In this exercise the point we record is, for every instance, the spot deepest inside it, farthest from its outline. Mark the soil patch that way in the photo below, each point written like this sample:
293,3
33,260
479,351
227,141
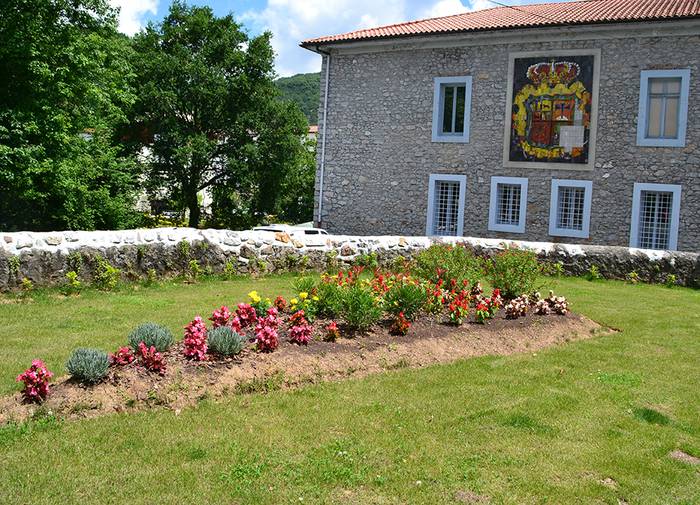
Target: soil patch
428,342
684,457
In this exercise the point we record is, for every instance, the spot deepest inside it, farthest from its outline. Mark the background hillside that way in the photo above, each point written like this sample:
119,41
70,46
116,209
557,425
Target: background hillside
304,90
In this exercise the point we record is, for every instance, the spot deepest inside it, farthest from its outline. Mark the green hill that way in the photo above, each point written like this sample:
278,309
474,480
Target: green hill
304,90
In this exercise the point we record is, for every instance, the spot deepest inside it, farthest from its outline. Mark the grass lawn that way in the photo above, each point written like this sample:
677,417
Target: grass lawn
549,427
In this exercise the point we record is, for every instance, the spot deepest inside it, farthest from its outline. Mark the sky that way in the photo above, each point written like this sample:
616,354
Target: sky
292,21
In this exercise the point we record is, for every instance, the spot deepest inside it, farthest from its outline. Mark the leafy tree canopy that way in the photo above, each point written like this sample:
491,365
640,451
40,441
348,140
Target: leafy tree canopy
210,116
64,79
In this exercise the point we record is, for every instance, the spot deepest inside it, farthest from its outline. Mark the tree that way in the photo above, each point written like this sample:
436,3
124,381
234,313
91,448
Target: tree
303,89
64,87
208,103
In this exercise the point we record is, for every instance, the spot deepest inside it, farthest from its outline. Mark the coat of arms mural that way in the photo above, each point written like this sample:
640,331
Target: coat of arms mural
551,114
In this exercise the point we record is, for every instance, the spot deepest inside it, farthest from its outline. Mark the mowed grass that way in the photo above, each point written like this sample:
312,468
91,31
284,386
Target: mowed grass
589,422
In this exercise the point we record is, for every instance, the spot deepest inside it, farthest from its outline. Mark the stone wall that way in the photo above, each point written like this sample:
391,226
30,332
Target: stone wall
379,153
45,258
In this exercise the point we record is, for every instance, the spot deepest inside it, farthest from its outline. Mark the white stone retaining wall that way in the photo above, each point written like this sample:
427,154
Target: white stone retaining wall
45,257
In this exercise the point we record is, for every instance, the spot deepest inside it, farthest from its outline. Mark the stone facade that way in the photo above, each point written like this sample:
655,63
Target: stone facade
45,258
379,154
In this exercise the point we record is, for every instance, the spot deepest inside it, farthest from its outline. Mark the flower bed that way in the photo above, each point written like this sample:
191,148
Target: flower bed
346,322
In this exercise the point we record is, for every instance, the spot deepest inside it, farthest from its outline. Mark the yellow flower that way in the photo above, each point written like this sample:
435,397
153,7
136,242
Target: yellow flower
315,298
254,296
293,301
303,295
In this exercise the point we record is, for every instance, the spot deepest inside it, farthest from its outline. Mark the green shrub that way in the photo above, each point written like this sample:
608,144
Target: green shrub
106,276
369,260
593,274
194,270
88,365
671,281
73,284
448,262
407,298
514,272
304,284
224,341
360,308
330,300
151,334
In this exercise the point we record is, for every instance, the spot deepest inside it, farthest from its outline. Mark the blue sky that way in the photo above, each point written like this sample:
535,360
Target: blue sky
291,21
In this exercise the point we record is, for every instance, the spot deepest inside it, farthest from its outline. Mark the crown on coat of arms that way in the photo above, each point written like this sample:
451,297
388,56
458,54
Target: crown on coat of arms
560,72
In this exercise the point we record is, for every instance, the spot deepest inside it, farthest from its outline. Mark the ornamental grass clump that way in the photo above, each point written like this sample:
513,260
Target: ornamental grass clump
224,341
195,341
88,366
153,335
36,382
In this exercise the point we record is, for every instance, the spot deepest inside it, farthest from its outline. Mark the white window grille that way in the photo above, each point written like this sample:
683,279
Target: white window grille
663,108
446,197
570,208
655,216
451,109
508,204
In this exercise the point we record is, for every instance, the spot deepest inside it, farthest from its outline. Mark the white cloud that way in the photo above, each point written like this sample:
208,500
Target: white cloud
131,13
445,8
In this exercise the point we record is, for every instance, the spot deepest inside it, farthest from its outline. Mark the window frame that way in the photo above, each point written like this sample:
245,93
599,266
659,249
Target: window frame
493,204
554,230
438,83
645,76
432,183
675,189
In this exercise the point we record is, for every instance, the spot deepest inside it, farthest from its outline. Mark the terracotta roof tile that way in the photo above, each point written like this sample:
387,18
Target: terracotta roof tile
526,16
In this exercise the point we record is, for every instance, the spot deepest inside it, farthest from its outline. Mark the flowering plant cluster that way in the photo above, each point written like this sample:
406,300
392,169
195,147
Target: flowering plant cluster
332,332
36,382
306,303
195,342
400,325
246,315
151,359
458,309
482,312
259,304
300,330
266,335
280,304
558,304
434,297
517,307
122,357
221,317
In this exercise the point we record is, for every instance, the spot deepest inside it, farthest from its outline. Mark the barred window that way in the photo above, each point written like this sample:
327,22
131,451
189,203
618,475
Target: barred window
655,219
446,205
508,204
570,208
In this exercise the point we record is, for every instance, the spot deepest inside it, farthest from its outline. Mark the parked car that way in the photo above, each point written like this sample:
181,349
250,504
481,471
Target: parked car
292,231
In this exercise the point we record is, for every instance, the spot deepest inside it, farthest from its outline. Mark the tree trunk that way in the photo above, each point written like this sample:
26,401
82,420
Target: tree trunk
195,211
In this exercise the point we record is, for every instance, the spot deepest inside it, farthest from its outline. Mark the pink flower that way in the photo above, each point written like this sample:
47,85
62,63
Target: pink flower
221,317
246,314
195,342
300,334
36,381
122,357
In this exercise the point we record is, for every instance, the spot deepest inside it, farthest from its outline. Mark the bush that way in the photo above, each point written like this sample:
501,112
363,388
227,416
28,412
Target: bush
151,334
447,262
195,341
406,298
88,365
330,299
514,272
304,284
360,308
106,276
225,342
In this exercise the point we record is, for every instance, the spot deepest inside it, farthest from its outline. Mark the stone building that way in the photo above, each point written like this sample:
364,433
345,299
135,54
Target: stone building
568,122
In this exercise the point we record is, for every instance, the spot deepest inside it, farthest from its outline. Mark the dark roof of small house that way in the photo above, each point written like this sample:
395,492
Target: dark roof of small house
581,12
